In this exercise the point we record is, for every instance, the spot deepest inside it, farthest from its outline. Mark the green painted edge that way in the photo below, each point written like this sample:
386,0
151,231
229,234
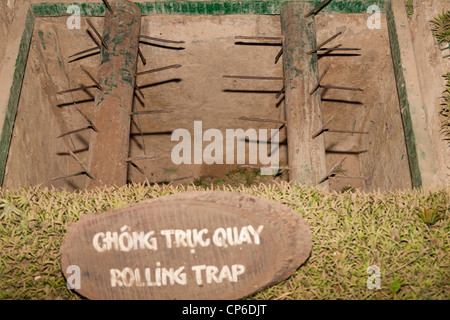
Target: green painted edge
207,7
13,102
405,111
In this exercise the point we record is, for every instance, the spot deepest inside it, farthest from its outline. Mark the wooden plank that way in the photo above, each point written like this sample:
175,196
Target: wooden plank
108,149
195,245
306,156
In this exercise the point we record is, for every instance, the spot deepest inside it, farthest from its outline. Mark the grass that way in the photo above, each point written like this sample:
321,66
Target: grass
441,27
409,8
239,176
445,109
351,231
441,30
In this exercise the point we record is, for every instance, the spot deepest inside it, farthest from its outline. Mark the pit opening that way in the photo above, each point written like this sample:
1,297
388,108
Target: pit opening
198,92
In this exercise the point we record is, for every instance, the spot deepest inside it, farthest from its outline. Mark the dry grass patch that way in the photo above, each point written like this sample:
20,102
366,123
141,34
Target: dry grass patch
351,231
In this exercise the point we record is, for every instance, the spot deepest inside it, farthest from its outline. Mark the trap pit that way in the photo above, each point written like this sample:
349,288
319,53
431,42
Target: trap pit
198,92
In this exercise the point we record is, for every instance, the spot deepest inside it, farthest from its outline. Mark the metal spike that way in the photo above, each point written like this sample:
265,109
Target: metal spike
84,51
76,89
278,56
84,56
74,131
322,129
331,172
258,38
97,33
346,131
174,66
324,43
250,166
92,78
253,77
87,119
141,55
137,167
140,132
320,79
280,93
80,163
337,48
150,112
139,90
340,88
349,177
262,120
320,6
107,5
94,39
155,157
161,40
70,175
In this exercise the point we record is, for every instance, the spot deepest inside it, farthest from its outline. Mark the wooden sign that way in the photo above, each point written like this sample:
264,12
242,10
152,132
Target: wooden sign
195,245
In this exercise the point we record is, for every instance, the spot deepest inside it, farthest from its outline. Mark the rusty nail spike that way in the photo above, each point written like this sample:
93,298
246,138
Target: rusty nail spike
320,79
92,78
346,131
280,93
262,120
108,6
74,131
324,43
140,132
139,90
348,177
339,49
97,33
341,88
253,77
249,166
320,6
84,51
335,167
141,55
161,40
155,157
151,112
322,129
91,124
174,66
70,175
86,171
76,89
257,38
278,56
137,167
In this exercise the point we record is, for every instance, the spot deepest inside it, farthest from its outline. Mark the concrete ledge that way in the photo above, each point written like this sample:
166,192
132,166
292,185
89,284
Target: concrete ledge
412,110
206,7
12,71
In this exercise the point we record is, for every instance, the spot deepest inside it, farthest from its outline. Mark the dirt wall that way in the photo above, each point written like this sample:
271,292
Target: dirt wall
378,158
432,63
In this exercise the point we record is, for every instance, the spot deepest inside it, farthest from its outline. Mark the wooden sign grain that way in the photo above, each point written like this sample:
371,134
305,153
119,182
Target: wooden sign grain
195,245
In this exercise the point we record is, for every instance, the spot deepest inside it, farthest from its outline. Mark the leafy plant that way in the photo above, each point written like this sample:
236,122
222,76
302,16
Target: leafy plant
441,27
409,8
430,216
434,208
396,285
348,189
445,109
